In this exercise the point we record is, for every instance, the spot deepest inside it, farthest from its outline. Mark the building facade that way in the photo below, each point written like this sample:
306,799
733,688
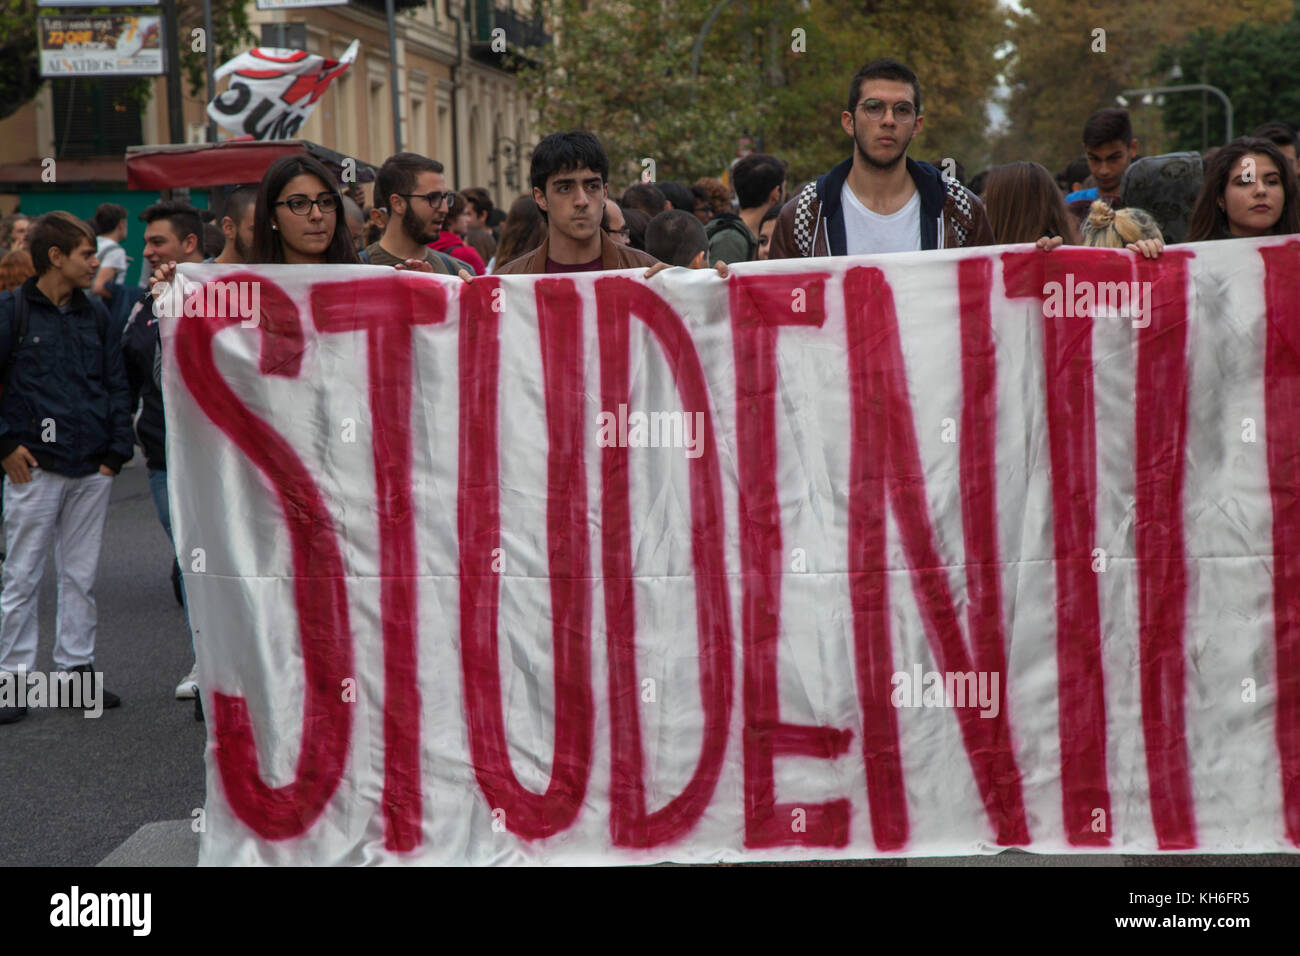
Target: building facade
459,102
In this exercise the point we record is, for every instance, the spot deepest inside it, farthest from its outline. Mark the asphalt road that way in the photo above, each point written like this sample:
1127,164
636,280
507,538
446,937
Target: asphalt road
72,789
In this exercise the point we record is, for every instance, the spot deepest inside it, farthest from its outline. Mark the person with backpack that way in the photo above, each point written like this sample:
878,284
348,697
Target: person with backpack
760,185
878,200
65,432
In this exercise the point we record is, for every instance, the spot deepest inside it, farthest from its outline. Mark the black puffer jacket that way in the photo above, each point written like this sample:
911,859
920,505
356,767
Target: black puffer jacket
141,349
67,399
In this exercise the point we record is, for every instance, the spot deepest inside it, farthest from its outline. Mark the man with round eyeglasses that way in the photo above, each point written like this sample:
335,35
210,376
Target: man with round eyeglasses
414,191
878,200
614,223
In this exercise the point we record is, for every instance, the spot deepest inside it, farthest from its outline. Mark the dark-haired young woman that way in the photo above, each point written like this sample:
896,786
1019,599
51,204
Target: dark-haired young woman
299,218
1248,191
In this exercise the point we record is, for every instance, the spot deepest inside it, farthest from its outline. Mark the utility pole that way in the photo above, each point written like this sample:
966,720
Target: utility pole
392,76
171,30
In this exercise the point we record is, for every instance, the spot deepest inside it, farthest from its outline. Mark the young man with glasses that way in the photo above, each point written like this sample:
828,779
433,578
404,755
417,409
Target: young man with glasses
614,223
412,189
451,241
878,200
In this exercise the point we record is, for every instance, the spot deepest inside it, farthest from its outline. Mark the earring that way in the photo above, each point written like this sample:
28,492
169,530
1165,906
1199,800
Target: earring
274,226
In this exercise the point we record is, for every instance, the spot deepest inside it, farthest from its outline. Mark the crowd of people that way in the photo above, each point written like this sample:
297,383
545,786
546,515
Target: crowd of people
84,352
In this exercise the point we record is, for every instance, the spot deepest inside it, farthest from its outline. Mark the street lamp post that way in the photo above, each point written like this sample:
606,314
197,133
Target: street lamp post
506,148
393,76
1186,88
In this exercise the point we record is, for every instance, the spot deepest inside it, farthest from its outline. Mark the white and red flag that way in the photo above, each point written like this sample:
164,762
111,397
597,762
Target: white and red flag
272,91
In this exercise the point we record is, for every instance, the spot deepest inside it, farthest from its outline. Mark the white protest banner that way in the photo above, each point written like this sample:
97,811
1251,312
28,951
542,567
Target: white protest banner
921,554
109,45
272,91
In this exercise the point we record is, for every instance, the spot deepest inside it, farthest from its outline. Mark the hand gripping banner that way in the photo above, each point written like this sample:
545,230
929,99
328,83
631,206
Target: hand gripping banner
920,554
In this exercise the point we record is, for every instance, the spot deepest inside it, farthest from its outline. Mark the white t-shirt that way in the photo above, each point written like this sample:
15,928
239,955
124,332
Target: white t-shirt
110,255
865,232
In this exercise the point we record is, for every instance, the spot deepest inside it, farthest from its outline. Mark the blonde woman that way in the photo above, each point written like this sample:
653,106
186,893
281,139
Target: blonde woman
1107,228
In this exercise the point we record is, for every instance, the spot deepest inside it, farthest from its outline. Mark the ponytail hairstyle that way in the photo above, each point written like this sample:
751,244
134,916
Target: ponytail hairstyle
1107,228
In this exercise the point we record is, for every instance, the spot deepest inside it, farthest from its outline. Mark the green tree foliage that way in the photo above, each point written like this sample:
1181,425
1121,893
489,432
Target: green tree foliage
233,36
1058,77
623,71
771,70
1253,64
20,80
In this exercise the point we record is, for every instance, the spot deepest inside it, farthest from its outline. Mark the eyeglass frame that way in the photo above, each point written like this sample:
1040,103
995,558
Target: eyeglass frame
890,108
338,203
449,198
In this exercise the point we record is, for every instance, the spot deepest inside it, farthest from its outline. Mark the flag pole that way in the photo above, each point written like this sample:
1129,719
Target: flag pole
209,52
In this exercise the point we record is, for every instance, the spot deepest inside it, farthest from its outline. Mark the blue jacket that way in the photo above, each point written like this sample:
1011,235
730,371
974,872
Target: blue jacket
66,384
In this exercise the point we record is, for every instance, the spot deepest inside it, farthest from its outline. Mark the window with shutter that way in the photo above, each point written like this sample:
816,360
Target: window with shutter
96,116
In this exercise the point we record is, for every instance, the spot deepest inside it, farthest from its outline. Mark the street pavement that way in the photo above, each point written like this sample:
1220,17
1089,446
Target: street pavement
72,789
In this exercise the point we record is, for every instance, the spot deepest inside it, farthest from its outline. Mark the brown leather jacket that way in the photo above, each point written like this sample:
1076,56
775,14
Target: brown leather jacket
612,256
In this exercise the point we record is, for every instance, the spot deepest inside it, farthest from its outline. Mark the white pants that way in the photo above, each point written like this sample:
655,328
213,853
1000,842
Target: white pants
70,512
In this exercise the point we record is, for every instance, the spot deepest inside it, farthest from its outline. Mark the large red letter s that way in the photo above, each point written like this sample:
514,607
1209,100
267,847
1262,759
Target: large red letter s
318,588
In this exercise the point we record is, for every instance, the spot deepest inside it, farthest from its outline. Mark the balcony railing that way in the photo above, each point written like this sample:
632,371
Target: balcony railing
378,6
520,34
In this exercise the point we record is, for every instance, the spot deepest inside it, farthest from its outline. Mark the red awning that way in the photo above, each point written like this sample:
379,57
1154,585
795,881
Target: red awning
227,163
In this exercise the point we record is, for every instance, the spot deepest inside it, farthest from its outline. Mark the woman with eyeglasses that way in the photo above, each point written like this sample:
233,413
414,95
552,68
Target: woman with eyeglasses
299,219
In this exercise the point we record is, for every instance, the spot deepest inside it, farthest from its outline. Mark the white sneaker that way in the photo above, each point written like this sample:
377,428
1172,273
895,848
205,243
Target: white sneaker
188,688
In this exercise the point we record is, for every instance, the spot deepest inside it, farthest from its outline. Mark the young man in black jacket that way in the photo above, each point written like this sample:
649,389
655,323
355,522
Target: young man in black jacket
173,233
65,431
